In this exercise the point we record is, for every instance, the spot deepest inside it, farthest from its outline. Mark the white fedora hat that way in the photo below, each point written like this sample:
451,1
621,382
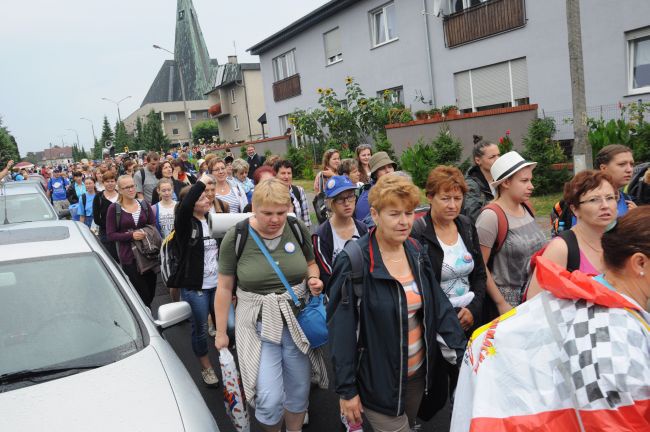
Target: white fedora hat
507,165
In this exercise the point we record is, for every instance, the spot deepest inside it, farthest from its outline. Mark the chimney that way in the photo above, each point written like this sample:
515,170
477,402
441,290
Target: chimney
232,59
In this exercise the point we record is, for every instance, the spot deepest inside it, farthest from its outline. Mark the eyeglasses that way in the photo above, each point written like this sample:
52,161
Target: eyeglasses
219,170
608,199
128,187
345,199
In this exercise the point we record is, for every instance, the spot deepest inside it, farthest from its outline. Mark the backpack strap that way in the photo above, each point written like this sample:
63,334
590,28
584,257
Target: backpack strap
502,227
84,201
158,216
355,254
118,215
241,235
142,179
297,232
573,256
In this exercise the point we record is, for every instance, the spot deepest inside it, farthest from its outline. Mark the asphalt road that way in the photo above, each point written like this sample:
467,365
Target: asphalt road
323,404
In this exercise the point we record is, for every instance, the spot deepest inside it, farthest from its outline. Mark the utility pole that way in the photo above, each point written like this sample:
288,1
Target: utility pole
582,157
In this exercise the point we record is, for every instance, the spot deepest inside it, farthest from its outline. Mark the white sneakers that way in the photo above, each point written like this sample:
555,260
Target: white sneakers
209,377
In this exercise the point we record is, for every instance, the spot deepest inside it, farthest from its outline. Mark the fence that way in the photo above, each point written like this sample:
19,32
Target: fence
564,118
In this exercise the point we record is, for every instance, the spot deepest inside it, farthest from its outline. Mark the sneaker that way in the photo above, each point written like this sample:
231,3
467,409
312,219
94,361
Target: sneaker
417,427
211,330
305,422
209,377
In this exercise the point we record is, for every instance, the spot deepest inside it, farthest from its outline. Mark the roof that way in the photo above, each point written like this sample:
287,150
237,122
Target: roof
57,153
42,239
327,10
166,87
228,73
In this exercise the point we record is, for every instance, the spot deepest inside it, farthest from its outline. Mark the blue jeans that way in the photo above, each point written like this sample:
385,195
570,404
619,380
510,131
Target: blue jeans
283,380
201,301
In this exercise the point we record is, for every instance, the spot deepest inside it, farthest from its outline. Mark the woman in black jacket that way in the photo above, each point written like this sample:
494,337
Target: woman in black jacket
100,206
165,170
385,339
198,280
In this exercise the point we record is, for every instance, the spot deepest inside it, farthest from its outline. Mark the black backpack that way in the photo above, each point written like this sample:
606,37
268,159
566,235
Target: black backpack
638,189
561,218
241,234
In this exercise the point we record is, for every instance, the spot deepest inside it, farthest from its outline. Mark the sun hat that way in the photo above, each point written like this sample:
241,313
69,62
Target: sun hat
337,184
200,162
378,160
507,165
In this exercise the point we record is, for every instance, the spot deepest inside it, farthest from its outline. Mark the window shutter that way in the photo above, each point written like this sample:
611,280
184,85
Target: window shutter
463,90
332,43
491,85
519,78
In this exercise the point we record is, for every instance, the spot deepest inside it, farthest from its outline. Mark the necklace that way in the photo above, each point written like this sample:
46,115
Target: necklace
589,244
389,259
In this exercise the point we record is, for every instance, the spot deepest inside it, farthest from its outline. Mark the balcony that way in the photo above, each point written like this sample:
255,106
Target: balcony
286,88
484,20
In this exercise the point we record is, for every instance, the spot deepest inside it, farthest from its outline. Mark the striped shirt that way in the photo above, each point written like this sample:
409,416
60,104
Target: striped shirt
232,199
416,329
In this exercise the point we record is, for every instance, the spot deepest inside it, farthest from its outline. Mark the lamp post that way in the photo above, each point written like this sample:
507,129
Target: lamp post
180,74
92,127
119,117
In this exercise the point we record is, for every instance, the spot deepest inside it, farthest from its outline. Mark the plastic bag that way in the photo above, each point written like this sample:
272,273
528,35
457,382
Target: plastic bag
233,396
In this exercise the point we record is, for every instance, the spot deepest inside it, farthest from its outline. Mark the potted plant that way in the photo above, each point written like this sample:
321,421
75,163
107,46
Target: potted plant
435,114
421,114
450,111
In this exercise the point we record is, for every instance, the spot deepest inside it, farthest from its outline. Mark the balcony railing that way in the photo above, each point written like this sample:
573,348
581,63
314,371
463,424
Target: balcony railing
286,88
485,20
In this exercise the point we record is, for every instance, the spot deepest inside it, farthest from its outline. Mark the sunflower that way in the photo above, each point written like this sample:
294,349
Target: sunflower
330,110
328,91
348,80
292,120
319,90
363,102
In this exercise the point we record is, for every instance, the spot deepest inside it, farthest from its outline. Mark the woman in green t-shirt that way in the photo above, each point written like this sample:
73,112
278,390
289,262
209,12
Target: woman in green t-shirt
270,343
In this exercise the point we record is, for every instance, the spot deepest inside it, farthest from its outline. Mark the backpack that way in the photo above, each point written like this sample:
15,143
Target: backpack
638,189
573,257
171,256
118,213
502,227
561,218
319,203
241,234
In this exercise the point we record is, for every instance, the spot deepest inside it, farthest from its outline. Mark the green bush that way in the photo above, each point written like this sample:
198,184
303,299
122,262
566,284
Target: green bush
422,158
382,144
302,162
641,143
539,147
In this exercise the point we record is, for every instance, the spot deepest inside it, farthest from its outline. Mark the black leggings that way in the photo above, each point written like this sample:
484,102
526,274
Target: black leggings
144,284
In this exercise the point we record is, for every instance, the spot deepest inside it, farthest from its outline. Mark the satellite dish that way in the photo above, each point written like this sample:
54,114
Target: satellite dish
437,7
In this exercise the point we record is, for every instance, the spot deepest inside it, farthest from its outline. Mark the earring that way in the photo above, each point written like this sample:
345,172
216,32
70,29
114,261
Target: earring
641,274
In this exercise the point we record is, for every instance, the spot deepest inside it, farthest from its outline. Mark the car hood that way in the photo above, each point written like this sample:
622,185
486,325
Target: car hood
131,394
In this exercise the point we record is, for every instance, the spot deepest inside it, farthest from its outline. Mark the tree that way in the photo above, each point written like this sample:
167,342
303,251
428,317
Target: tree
153,136
204,130
540,147
122,138
138,135
31,157
8,146
107,135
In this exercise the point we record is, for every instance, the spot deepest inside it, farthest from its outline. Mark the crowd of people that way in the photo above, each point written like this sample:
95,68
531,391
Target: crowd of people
406,289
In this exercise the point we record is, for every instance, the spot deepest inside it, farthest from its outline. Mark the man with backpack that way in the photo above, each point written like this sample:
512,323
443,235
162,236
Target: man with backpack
57,190
145,178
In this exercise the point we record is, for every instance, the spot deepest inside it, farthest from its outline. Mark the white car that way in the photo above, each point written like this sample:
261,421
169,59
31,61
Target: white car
79,351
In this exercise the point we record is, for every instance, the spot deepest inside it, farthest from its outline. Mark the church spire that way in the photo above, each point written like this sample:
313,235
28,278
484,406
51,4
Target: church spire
191,53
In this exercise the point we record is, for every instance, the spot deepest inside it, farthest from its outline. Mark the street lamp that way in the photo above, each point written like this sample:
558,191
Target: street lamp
180,74
119,117
93,128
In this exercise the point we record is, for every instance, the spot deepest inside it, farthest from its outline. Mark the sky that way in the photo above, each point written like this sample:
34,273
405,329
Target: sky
59,59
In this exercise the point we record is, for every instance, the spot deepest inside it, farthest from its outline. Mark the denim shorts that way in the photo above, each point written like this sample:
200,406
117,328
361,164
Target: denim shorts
283,380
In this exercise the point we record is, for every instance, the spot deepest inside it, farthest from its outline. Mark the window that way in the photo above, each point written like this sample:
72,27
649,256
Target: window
193,115
333,52
181,14
235,121
396,94
383,25
174,131
639,61
284,123
232,96
204,114
495,86
459,5
284,65
172,117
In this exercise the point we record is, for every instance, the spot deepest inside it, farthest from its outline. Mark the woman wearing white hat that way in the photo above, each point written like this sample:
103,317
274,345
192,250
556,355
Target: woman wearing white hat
508,233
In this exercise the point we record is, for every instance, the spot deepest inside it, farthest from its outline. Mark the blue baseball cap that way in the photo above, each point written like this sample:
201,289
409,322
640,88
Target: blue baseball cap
337,184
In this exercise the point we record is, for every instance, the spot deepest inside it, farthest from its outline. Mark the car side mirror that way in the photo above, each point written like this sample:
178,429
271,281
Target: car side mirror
171,314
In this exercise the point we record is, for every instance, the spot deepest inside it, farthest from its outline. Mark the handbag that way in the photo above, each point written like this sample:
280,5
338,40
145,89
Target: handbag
312,316
319,202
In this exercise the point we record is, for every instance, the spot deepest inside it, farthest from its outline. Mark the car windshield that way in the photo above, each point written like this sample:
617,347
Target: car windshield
29,207
62,312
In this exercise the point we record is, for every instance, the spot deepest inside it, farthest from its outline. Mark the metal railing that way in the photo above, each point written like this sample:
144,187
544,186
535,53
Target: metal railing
484,20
